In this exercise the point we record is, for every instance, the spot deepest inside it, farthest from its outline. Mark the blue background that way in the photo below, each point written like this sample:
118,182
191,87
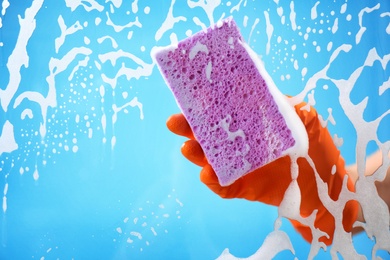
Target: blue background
86,204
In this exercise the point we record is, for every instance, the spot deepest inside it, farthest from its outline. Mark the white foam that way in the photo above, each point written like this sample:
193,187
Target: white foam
4,5
103,121
59,41
26,113
293,16
199,47
5,191
113,142
134,6
179,202
293,47
208,71
116,3
385,86
199,23
88,5
283,20
169,22
257,20
142,70
225,124
133,103
313,13
304,71
231,136
329,46
245,21
388,29
81,63
231,42
236,7
114,44
360,15
4,203
130,35
119,28
338,141
36,174
269,31
113,56
330,119
375,226
335,26
279,10
296,66
19,56
274,243
385,14
136,234
7,139
56,66
188,33
173,38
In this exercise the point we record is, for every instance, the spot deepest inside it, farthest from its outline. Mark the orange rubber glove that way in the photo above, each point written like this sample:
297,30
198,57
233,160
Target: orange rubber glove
269,183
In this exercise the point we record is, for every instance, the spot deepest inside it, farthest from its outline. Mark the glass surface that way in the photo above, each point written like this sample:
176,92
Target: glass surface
88,167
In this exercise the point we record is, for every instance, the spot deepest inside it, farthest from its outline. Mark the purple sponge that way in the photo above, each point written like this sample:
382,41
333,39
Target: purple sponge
225,94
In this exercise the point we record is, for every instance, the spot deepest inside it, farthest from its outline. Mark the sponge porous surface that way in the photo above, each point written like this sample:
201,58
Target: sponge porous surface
226,101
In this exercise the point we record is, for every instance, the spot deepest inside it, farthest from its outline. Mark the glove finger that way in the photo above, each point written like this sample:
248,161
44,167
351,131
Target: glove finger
178,124
194,153
210,179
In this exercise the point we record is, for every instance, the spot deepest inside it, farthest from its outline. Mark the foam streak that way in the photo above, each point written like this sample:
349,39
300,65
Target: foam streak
119,28
19,56
65,31
7,139
169,22
269,30
208,7
363,28
92,5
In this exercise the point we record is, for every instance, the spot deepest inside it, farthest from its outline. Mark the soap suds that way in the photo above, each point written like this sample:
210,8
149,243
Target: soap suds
199,47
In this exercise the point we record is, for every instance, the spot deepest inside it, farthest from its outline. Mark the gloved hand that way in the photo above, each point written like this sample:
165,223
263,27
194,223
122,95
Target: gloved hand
269,183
